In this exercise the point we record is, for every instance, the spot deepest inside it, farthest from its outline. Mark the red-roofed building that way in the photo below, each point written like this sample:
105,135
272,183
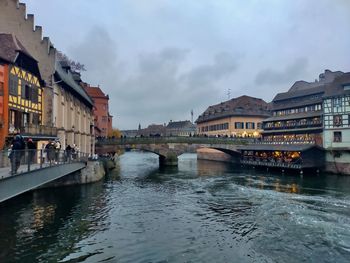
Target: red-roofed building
103,120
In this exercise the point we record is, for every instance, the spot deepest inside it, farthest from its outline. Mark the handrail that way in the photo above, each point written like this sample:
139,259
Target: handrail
13,162
164,140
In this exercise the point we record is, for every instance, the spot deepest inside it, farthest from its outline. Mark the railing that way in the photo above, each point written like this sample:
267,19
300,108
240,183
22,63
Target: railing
14,162
296,126
32,129
286,142
296,164
164,140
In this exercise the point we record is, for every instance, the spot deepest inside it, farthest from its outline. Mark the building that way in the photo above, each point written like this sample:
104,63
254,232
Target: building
102,119
153,130
180,128
21,93
238,117
14,20
297,114
73,110
293,136
336,135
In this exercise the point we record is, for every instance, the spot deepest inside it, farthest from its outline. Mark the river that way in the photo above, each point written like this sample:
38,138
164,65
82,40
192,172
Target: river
201,211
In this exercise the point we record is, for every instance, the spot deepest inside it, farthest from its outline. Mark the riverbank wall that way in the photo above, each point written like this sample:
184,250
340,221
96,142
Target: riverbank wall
338,162
93,172
216,155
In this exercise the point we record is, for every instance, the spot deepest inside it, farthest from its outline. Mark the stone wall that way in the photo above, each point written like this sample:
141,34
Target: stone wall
215,155
15,20
93,172
337,162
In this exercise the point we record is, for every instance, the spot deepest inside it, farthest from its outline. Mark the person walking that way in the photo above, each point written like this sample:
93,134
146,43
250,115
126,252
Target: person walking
57,145
31,150
68,153
18,147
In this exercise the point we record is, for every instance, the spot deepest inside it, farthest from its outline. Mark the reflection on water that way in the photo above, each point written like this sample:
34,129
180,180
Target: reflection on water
200,211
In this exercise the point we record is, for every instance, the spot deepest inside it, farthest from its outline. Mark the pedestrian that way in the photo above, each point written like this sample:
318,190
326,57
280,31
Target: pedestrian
68,153
18,147
57,145
50,151
31,150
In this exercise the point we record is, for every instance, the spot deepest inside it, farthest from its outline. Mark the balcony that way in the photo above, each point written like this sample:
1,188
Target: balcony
310,124
34,130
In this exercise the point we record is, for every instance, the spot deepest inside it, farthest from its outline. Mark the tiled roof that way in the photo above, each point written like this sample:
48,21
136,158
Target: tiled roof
180,125
336,88
240,106
67,77
10,46
302,88
95,92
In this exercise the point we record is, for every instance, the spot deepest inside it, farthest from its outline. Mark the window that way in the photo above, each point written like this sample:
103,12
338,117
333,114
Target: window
259,125
250,125
337,102
239,125
337,120
337,136
104,118
347,87
13,86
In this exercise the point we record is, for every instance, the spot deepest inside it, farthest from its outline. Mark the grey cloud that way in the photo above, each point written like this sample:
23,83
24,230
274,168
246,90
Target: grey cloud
289,73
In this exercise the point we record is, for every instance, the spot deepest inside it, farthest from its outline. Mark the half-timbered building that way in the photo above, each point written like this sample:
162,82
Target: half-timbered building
21,102
336,135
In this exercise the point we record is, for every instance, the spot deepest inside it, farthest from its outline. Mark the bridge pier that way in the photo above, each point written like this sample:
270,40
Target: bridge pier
169,160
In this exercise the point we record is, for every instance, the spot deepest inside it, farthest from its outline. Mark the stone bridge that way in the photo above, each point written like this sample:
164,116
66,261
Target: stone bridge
169,148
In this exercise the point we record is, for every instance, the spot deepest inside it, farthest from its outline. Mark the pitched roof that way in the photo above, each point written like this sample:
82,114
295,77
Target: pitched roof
180,124
303,88
95,92
240,106
68,79
336,88
10,47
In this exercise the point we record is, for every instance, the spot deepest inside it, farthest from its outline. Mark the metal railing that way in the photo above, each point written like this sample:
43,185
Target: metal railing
13,162
164,140
258,161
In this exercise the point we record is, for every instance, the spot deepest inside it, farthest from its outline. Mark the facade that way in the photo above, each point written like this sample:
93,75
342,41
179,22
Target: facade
153,130
336,135
238,117
180,128
102,119
21,94
73,111
14,20
297,115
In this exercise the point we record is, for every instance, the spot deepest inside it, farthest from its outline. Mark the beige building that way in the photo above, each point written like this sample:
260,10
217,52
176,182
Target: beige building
73,110
238,117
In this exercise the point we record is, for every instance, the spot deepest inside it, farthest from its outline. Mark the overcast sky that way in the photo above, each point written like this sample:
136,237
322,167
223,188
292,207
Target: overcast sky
158,59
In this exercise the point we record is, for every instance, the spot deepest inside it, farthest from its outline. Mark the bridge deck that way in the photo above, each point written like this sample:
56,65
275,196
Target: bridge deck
13,185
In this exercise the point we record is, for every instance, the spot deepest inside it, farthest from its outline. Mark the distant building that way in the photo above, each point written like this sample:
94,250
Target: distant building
239,117
297,114
180,128
153,130
129,133
102,119
336,136
21,94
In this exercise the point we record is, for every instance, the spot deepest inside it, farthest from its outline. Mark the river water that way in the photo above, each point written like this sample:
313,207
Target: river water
201,211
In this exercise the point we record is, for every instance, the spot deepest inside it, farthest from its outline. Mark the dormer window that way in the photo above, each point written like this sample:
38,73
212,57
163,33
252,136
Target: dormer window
347,87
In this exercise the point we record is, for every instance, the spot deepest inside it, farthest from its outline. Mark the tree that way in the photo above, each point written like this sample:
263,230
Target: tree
116,133
75,65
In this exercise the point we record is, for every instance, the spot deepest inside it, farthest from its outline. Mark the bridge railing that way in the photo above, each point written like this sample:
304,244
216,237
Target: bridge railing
163,140
13,162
